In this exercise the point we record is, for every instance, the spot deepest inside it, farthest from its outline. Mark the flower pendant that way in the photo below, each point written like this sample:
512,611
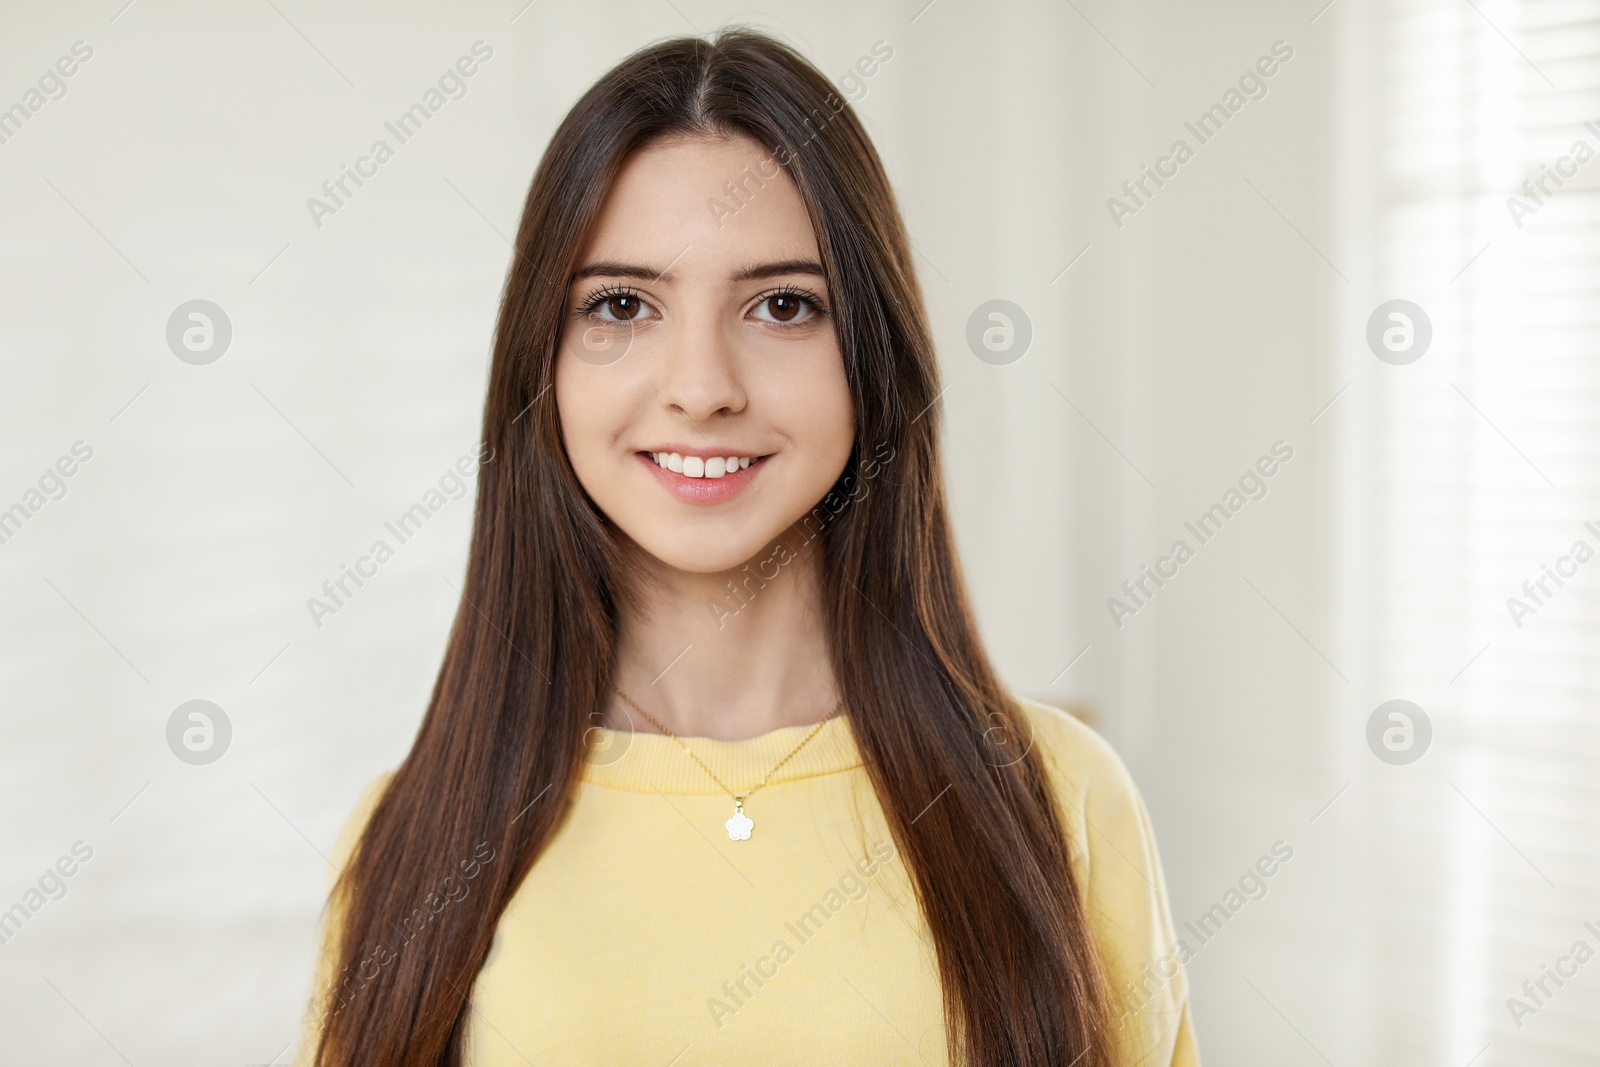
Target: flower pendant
740,825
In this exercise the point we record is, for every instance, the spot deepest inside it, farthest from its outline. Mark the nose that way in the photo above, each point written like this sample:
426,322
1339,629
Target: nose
699,375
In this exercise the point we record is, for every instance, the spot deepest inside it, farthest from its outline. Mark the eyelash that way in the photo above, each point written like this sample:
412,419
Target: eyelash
592,302
798,293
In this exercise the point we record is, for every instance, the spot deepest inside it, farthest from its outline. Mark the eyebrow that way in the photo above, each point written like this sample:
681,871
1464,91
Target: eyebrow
611,269
781,267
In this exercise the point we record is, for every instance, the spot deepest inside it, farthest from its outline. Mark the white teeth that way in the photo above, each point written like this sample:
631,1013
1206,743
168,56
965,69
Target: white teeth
698,467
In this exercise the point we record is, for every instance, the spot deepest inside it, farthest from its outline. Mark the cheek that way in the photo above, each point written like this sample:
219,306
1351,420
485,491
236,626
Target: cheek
815,414
590,416
822,419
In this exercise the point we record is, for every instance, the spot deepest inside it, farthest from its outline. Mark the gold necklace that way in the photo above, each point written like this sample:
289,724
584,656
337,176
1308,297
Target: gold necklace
740,825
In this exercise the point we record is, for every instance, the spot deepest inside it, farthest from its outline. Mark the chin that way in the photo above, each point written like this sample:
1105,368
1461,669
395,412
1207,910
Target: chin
693,551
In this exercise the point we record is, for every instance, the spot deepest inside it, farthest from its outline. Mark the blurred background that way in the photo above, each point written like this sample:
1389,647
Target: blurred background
182,477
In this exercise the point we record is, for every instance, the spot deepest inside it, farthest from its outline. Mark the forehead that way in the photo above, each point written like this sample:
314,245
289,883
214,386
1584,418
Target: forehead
704,206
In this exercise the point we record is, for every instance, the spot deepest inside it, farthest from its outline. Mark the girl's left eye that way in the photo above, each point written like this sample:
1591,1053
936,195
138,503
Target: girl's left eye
786,308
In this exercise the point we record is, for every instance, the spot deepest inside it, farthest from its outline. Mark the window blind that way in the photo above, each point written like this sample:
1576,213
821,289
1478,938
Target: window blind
1484,477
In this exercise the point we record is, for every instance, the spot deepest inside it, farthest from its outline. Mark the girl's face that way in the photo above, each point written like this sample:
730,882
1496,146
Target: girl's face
699,383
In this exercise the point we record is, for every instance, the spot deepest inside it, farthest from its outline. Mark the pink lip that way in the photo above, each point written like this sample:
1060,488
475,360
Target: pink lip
702,490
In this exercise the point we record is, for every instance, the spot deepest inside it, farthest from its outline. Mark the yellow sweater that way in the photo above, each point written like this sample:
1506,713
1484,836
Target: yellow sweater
644,935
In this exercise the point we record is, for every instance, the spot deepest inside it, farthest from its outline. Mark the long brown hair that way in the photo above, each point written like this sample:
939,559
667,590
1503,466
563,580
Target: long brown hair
531,656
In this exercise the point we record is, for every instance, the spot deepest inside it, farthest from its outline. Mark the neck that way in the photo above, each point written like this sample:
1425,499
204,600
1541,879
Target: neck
708,662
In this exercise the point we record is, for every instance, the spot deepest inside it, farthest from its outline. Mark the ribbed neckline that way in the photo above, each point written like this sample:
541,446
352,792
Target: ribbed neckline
650,762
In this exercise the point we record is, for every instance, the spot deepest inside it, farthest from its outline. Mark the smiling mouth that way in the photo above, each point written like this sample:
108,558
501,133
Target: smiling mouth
702,466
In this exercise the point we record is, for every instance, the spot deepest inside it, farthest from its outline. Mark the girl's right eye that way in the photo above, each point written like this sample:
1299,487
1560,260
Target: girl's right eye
617,305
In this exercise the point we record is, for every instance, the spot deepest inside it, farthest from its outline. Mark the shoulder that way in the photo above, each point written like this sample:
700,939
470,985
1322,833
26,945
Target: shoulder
1108,827
356,821
1118,868
1073,745
1084,768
